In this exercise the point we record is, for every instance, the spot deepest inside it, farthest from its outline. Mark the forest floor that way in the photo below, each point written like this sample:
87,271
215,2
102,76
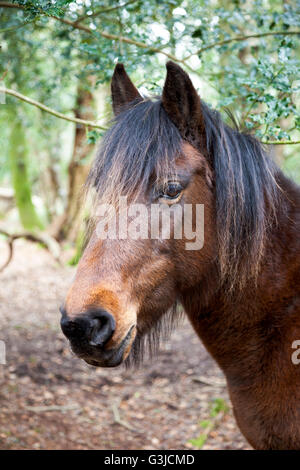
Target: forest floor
49,399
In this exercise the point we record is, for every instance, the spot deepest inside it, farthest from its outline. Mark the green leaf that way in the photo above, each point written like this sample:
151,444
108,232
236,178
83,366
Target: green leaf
219,405
199,441
205,424
297,122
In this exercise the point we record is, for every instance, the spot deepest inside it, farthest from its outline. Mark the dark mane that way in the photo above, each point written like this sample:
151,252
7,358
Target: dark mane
247,195
143,141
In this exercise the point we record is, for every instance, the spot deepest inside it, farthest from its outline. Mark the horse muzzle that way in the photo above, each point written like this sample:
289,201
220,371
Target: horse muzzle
112,357
89,334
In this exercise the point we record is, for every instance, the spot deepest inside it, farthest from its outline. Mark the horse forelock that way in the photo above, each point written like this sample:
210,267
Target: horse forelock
140,146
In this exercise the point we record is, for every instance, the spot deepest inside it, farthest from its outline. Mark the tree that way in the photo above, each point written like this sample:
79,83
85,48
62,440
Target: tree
68,224
19,173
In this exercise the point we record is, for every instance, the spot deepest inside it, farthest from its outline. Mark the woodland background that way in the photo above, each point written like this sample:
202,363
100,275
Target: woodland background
242,55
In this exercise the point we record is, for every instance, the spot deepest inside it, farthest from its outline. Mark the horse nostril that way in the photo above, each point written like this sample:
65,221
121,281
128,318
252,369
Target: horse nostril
95,327
71,329
102,327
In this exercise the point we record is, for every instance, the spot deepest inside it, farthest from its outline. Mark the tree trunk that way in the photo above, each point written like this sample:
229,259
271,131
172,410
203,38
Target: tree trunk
67,225
20,177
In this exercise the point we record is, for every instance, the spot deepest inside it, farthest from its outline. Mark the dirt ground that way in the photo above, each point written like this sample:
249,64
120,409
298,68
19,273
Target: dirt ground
49,399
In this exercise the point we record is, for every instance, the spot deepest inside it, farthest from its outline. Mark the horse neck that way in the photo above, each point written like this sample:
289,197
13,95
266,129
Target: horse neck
251,335
242,325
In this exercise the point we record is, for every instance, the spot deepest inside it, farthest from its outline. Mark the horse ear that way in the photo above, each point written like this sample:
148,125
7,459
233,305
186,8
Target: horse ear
123,90
183,106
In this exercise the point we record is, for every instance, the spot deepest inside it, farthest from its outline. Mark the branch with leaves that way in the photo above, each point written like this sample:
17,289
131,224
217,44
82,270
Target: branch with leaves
78,24
114,37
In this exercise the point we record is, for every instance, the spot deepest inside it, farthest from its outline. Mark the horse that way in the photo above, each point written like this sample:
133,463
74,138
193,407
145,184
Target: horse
240,289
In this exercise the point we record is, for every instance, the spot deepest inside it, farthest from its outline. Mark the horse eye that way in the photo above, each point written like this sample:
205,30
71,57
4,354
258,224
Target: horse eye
171,191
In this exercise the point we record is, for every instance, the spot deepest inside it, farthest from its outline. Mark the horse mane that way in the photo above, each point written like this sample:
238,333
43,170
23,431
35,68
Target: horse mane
247,197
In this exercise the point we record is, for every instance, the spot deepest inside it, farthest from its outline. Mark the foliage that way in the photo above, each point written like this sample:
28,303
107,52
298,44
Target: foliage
241,55
218,408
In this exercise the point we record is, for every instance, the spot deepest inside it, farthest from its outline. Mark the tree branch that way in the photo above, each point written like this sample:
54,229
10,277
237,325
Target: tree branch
42,238
11,5
241,38
269,83
41,106
79,26
280,142
97,126
10,243
115,37
104,34
19,26
104,10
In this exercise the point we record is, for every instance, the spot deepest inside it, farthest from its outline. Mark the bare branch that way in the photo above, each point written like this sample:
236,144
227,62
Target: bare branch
241,38
45,409
11,5
10,243
97,126
121,421
41,106
211,381
280,142
42,238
